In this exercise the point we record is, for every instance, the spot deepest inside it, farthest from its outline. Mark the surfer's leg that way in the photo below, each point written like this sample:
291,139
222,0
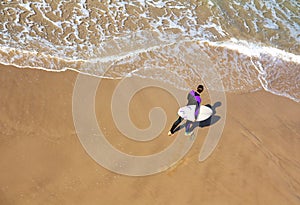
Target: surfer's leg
175,124
188,130
187,125
178,128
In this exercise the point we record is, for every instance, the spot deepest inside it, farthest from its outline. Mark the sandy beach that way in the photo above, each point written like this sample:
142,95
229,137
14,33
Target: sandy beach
257,160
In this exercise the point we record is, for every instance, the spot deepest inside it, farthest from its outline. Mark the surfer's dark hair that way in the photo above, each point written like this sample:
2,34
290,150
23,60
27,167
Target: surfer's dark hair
200,88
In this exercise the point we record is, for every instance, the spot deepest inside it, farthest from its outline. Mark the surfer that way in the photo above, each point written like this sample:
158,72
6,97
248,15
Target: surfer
193,99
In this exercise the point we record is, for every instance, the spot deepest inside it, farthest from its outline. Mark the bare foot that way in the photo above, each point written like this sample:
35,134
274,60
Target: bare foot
170,133
189,133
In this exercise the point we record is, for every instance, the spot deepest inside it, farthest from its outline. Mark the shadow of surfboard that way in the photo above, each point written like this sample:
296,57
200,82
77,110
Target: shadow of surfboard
212,119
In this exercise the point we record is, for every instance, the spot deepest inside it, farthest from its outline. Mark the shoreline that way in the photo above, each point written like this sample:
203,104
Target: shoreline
111,78
42,160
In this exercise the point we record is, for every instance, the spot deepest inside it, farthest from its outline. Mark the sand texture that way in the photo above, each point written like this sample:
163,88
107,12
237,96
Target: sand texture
257,160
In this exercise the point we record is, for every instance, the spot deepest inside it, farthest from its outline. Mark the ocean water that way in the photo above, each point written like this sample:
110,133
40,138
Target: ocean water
251,44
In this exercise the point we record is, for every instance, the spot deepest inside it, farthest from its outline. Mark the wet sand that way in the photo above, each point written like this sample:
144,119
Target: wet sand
257,160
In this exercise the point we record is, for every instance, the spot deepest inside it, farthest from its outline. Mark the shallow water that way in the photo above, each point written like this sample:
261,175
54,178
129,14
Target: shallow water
251,44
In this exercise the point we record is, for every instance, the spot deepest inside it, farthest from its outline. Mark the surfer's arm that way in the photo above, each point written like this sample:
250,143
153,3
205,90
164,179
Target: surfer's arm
194,99
197,110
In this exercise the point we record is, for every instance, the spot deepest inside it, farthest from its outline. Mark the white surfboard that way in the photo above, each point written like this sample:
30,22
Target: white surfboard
188,112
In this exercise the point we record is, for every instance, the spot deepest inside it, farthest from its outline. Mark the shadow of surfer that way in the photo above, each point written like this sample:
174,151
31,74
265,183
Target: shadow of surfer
205,123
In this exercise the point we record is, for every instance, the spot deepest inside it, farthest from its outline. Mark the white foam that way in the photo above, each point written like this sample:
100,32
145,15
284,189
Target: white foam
158,4
280,14
268,74
252,49
185,20
83,9
268,23
210,3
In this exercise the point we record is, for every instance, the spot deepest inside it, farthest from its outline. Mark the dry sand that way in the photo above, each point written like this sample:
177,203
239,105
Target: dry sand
257,160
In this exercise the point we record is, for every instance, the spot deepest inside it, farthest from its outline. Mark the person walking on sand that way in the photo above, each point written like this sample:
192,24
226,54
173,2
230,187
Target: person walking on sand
193,99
